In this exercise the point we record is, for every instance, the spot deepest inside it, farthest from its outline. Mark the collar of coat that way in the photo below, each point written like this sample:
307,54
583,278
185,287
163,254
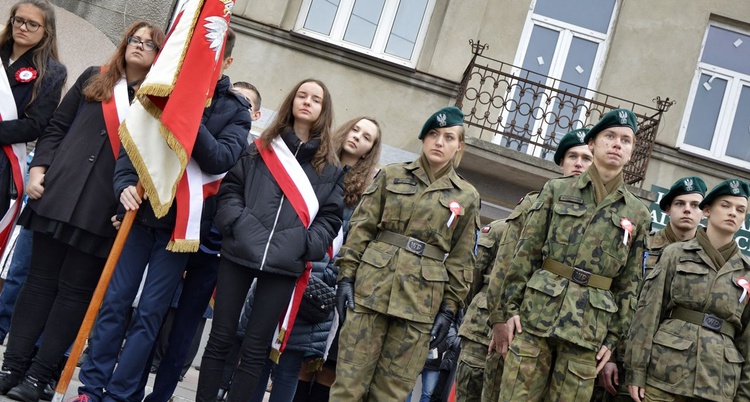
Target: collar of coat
450,177
306,149
585,180
693,246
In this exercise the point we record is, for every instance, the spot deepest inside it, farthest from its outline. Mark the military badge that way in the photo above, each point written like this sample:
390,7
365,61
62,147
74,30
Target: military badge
581,135
745,285
688,184
455,209
486,229
735,186
623,116
627,227
442,119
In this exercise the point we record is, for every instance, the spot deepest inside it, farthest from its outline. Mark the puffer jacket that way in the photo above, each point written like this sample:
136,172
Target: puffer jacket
260,227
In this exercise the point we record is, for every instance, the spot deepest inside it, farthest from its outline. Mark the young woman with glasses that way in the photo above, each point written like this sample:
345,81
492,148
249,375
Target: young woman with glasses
71,203
30,91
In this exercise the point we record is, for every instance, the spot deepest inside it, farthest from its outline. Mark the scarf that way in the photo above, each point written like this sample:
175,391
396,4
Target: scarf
602,189
718,256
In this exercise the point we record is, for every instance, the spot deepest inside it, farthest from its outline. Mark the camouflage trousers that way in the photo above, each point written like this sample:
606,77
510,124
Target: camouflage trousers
379,357
657,395
546,369
493,375
470,371
601,395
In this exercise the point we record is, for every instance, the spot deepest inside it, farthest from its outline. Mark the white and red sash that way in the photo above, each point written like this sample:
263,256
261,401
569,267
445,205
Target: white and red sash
298,190
194,187
115,110
16,154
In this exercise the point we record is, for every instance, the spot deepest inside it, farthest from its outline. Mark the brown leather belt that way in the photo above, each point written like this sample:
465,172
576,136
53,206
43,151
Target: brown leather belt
705,320
577,275
412,245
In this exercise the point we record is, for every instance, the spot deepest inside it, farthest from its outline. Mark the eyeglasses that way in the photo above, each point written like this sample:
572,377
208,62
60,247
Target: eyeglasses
31,26
147,46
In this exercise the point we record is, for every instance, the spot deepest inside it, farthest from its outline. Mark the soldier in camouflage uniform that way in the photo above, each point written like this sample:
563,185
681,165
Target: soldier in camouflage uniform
406,267
681,204
573,281
479,370
690,335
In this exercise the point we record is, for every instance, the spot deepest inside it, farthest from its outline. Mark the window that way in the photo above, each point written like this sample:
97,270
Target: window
713,125
390,29
562,46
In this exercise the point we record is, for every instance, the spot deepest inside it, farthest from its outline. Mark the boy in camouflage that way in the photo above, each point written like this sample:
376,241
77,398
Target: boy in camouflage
574,277
479,369
690,336
680,204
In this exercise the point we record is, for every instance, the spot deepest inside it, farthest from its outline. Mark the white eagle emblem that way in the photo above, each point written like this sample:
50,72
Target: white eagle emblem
688,184
623,116
735,186
217,30
442,119
581,136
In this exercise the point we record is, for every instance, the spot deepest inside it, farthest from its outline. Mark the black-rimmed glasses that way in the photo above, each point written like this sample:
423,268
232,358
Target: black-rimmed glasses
147,46
31,26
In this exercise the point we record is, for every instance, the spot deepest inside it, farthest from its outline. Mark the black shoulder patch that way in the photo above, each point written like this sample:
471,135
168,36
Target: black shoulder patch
570,198
400,180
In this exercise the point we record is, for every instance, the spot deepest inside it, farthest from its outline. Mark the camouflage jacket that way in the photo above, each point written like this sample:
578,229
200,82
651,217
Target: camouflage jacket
474,327
567,226
684,358
392,280
655,244
507,247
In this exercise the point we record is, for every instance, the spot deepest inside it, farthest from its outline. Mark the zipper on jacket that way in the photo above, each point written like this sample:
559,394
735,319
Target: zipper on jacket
275,221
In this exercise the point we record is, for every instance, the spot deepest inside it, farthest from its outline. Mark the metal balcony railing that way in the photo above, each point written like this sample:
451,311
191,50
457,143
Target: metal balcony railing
529,113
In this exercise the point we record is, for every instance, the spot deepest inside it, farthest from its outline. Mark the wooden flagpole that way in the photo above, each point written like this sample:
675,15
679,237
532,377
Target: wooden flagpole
96,301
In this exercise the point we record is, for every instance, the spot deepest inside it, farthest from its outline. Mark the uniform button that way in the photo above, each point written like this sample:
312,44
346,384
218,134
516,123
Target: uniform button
103,132
91,158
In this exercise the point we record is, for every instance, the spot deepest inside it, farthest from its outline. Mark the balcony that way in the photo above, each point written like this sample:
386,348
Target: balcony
525,114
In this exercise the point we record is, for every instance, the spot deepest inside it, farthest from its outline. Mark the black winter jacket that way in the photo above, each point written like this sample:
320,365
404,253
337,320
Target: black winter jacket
248,202
222,138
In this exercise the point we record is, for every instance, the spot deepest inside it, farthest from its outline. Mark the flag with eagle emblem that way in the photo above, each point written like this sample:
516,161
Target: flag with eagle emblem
160,130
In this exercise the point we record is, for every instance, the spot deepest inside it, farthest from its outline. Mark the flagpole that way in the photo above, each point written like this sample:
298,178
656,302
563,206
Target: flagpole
96,301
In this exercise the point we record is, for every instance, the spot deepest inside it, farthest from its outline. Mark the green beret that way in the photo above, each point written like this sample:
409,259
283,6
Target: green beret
570,140
614,118
685,185
733,187
446,117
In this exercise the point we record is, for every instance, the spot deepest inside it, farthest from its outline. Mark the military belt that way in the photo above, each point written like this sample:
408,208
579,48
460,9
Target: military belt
705,320
577,275
412,245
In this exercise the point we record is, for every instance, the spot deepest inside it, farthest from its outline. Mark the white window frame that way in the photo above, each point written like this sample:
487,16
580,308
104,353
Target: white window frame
722,131
380,40
557,64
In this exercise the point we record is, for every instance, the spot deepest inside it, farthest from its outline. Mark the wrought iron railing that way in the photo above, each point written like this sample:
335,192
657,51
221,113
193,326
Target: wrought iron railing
529,113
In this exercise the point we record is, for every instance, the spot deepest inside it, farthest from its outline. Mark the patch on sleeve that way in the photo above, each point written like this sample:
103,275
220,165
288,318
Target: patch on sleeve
645,258
521,200
476,242
486,229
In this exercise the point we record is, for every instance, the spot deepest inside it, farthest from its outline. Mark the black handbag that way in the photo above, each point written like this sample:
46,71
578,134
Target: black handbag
317,302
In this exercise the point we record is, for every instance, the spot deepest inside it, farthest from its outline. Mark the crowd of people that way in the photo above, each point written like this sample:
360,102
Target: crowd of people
341,280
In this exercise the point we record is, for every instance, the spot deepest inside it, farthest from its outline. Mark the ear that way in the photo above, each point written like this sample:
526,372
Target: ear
227,62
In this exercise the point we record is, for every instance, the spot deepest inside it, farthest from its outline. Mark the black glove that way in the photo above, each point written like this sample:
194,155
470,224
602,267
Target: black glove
344,297
442,324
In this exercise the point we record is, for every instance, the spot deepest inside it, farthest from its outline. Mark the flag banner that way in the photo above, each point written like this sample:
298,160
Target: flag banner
160,129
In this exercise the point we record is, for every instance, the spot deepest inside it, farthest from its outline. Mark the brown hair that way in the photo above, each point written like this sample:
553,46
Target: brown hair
320,129
229,46
44,50
99,87
249,87
460,153
360,175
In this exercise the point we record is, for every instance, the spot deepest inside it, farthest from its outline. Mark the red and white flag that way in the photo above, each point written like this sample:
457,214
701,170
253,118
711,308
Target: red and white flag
16,154
162,124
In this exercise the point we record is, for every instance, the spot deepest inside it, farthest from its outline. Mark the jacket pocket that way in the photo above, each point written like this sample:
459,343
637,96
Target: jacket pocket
672,358
596,319
398,201
730,373
690,279
567,217
542,300
370,273
435,277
